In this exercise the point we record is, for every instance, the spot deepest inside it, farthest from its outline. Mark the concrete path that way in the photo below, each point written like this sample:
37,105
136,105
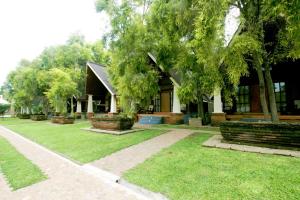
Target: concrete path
216,141
123,160
66,180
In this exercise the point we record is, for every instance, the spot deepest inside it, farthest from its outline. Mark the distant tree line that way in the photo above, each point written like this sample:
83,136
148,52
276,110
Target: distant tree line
47,82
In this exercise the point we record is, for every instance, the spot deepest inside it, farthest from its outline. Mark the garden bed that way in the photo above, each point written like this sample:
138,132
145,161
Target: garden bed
40,117
62,120
281,134
107,122
23,116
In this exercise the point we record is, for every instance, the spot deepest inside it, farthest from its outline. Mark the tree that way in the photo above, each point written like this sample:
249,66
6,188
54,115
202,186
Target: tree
172,24
270,32
131,74
62,88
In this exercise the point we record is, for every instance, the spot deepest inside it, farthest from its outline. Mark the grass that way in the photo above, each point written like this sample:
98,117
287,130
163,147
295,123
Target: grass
184,126
187,170
18,171
79,145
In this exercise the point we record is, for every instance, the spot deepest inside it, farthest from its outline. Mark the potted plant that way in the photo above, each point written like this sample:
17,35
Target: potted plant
38,114
62,88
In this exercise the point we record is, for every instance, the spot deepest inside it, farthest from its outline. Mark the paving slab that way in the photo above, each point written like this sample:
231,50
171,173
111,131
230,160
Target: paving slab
66,180
101,131
216,141
123,160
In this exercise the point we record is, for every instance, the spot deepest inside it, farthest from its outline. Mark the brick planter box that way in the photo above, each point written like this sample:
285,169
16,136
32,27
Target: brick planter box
23,116
38,117
114,123
62,120
174,118
280,134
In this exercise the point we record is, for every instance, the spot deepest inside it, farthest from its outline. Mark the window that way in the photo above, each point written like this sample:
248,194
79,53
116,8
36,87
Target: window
280,96
243,99
156,101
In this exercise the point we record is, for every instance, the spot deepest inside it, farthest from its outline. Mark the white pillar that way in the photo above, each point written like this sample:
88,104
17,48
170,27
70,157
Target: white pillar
12,108
176,102
90,103
22,110
113,104
218,106
27,111
78,107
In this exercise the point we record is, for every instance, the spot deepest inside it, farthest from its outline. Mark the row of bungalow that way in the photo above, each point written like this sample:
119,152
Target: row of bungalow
102,97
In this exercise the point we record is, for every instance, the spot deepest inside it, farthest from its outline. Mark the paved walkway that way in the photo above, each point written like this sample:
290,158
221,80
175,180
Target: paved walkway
128,158
66,180
216,141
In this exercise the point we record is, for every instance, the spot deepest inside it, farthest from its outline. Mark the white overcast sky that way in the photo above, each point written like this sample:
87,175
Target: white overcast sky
28,26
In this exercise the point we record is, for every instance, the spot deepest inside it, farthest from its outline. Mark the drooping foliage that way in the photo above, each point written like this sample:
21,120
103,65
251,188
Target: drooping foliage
129,41
62,88
189,36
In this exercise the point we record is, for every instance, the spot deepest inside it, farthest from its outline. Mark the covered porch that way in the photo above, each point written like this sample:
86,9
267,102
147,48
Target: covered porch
101,97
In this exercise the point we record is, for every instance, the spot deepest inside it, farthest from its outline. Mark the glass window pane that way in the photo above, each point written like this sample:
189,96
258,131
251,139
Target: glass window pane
277,96
238,108
278,106
282,86
247,108
246,99
246,90
283,97
276,87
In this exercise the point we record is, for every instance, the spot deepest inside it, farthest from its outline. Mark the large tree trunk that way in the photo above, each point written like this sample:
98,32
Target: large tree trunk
200,106
271,93
262,91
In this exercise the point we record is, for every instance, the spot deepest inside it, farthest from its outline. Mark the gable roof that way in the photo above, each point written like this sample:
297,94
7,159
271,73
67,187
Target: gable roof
172,73
102,74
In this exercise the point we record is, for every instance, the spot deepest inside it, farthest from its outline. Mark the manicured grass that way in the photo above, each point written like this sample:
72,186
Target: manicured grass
18,170
184,126
80,145
187,170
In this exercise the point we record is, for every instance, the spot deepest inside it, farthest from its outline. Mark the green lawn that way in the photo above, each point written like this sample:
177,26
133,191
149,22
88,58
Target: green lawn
187,170
69,140
184,126
18,171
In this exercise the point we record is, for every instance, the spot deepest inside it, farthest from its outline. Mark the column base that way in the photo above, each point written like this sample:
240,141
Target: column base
217,118
89,115
112,114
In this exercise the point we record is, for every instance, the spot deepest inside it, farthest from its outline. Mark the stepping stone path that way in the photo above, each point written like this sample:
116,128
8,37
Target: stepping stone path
216,141
123,160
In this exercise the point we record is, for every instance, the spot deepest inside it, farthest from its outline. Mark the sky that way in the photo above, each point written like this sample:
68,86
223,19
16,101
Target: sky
28,26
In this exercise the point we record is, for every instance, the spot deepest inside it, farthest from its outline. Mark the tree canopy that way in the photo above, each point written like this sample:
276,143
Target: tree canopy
57,74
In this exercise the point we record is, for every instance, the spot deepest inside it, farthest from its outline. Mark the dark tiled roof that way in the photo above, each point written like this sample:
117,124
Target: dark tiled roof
101,72
173,73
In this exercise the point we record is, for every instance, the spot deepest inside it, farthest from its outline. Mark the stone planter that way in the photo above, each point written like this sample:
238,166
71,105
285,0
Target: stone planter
280,134
62,120
23,116
115,123
196,122
38,117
